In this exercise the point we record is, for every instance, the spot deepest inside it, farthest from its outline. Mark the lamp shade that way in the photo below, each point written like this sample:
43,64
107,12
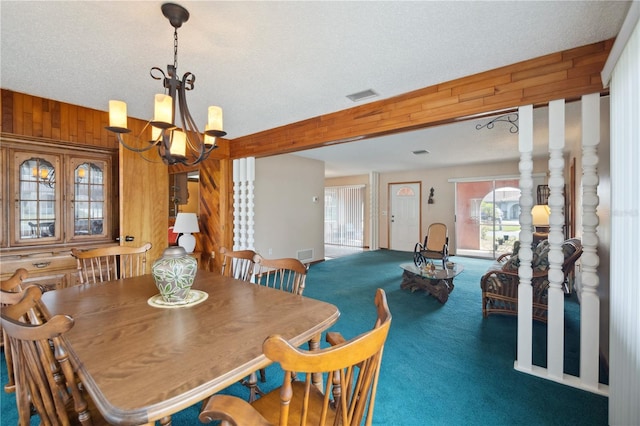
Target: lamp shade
214,118
179,144
117,114
186,223
540,214
163,109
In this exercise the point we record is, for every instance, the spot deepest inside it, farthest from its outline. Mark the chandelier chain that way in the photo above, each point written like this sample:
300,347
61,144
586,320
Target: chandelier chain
175,48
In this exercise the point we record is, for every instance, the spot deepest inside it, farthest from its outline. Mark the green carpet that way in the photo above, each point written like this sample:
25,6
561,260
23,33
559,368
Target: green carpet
442,364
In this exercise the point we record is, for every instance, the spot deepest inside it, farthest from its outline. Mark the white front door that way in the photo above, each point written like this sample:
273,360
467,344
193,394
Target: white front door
404,216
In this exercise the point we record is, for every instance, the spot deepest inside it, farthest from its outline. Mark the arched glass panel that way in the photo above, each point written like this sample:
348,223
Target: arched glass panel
89,206
36,199
405,191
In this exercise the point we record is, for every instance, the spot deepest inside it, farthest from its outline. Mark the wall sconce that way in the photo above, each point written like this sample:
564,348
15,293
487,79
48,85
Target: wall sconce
431,196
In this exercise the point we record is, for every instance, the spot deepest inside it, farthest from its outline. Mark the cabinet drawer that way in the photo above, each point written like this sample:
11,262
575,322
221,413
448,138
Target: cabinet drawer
48,282
37,264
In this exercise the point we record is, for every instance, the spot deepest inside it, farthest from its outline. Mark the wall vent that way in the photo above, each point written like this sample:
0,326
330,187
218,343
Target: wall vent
365,94
305,255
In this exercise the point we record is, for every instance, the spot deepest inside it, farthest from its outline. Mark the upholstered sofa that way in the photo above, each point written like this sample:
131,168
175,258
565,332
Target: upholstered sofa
500,283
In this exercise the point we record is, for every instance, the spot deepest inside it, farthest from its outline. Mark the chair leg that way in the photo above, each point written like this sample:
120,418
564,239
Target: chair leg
10,387
252,383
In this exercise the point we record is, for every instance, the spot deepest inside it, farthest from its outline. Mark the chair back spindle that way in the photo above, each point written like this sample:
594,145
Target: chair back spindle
287,274
237,264
111,263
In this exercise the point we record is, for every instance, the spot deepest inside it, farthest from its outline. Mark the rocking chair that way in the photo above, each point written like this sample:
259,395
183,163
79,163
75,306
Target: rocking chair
436,246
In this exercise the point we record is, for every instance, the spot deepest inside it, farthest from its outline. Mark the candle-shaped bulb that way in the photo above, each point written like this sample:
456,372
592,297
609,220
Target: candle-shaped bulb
117,114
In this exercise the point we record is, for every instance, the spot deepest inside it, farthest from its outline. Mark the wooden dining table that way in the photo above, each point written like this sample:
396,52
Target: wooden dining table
141,363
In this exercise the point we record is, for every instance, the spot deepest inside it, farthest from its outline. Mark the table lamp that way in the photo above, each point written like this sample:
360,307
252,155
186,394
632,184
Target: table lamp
540,217
186,224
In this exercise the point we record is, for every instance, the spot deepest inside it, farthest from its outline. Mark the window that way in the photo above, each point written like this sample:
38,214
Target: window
487,216
344,215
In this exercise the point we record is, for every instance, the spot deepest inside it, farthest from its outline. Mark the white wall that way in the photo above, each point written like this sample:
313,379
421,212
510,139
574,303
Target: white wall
286,218
443,208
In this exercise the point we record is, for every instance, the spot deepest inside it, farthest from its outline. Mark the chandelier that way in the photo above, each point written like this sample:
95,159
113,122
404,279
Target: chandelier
183,144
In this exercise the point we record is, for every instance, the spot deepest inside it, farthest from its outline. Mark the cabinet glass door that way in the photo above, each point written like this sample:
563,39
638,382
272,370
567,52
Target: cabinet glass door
89,197
38,199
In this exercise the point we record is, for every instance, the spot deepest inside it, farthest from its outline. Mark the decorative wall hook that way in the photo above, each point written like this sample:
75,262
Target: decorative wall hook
511,118
430,196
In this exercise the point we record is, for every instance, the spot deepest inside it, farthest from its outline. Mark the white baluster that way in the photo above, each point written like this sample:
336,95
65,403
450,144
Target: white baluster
525,294
590,302
555,295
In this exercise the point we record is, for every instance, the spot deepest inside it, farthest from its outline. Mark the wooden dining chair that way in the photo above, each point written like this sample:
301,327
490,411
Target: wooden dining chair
237,264
45,381
11,293
286,274
347,398
111,263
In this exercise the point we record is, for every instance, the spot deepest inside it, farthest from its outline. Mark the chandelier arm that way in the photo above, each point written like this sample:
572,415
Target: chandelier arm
192,131
190,126
148,160
132,148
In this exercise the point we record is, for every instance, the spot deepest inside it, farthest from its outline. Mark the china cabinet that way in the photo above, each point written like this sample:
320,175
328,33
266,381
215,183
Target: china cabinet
54,197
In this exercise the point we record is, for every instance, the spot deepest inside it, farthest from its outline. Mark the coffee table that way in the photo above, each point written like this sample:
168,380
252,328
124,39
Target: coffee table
438,283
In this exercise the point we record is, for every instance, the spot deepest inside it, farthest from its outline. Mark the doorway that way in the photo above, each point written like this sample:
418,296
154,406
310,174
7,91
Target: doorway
404,215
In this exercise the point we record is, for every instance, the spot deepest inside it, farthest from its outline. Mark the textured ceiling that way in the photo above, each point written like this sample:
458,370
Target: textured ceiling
271,63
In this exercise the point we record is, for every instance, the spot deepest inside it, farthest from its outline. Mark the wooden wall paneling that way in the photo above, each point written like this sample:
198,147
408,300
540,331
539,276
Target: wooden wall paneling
216,195
144,195
561,75
27,115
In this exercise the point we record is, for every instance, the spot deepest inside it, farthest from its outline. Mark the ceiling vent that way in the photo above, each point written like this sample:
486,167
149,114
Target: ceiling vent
365,94
420,152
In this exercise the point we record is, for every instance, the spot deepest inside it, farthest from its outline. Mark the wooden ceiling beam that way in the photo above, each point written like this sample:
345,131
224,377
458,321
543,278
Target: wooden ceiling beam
563,75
